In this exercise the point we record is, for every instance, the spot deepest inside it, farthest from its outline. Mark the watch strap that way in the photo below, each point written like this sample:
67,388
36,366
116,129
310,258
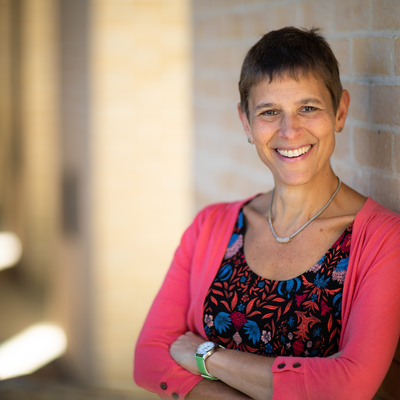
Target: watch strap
201,362
201,366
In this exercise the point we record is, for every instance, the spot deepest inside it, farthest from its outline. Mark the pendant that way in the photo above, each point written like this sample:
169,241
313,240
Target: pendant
283,240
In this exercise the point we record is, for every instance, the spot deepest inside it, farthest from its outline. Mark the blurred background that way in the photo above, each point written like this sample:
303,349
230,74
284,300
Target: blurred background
117,124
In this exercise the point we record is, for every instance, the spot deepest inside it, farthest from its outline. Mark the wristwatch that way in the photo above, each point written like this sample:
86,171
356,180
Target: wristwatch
204,351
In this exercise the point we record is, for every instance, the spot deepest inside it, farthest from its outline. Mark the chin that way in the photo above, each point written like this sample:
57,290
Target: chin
293,179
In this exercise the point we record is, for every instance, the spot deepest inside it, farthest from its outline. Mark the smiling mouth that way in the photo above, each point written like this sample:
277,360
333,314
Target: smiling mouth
294,153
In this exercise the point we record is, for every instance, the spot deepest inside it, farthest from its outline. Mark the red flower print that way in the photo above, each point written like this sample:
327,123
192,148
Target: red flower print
299,299
298,347
238,319
324,308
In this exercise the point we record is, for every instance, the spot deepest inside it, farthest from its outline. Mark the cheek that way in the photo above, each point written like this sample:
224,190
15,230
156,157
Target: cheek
263,131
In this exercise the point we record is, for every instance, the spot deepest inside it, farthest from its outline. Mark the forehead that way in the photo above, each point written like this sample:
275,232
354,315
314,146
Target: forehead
289,89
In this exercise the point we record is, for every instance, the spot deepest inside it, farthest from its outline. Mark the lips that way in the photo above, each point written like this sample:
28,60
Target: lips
294,153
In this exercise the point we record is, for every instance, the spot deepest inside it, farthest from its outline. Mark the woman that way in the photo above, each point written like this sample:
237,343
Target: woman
304,280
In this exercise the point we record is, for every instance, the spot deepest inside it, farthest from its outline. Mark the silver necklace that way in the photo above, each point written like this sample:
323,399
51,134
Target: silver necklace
289,238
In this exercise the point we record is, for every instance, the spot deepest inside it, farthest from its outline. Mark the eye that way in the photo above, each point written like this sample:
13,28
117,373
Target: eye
309,109
269,112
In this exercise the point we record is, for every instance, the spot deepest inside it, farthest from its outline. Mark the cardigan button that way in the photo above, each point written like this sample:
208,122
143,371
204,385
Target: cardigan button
163,386
296,365
281,365
175,396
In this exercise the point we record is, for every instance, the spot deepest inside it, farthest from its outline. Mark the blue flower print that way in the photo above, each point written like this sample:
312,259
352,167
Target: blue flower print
291,322
321,282
207,330
261,284
283,340
317,332
339,273
233,239
224,273
314,297
290,285
252,329
241,307
240,220
222,322
268,348
342,264
243,279
337,302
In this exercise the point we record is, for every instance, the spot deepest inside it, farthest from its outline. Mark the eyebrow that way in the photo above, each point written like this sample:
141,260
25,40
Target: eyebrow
306,101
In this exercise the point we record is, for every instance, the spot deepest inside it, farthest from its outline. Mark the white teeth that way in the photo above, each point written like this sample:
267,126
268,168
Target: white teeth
294,153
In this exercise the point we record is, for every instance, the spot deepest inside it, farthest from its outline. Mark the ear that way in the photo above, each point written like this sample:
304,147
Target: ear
342,110
245,123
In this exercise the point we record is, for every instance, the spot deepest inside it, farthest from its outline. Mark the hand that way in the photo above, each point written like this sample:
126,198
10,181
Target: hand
184,349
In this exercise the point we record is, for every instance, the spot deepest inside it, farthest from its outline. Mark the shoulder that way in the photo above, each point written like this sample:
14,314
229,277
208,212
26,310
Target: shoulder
377,222
373,211
213,221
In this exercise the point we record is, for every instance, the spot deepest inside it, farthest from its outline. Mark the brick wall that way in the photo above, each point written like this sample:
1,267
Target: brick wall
365,36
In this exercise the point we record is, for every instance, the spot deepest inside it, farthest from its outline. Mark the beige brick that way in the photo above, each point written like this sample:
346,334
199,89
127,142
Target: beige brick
360,100
385,14
373,148
280,16
386,104
209,29
386,190
238,22
313,15
356,178
207,88
351,15
342,147
254,23
237,54
397,56
227,28
341,49
397,152
231,90
232,124
371,56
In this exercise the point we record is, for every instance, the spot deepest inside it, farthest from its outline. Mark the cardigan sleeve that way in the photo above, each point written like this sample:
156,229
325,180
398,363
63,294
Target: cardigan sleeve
154,368
370,330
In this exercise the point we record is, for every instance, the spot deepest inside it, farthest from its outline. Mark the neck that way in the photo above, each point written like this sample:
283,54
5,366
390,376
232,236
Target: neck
293,206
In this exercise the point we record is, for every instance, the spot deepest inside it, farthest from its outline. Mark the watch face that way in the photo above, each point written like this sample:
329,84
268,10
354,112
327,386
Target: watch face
205,347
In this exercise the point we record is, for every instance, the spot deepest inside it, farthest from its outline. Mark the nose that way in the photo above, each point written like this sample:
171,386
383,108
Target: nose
290,126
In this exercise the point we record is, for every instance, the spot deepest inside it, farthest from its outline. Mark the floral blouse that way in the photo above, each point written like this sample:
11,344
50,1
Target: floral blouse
296,317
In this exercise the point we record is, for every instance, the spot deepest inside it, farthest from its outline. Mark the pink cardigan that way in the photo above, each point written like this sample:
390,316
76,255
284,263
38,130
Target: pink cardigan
370,311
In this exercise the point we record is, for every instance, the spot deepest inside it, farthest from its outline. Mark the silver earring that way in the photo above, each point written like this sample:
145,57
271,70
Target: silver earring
340,129
249,140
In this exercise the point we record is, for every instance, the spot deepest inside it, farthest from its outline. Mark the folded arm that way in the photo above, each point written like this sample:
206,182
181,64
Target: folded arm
250,375
371,327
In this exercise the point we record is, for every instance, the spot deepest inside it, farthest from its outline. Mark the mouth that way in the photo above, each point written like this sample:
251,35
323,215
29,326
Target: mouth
294,153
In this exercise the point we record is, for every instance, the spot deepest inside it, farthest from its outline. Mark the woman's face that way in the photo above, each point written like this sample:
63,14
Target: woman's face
292,123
